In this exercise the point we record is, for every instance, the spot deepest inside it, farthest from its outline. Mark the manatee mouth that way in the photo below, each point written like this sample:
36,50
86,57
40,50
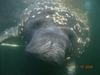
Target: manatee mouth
49,44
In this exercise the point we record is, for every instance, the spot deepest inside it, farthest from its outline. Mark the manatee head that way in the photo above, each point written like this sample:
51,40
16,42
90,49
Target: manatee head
48,42
48,28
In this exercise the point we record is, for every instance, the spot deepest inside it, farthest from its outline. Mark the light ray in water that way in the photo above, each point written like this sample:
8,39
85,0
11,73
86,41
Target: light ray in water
87,5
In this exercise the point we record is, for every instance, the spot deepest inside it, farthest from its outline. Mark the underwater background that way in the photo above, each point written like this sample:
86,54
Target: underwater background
13,60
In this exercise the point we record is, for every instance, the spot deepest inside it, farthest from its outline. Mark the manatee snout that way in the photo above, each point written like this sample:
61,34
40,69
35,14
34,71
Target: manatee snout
49,44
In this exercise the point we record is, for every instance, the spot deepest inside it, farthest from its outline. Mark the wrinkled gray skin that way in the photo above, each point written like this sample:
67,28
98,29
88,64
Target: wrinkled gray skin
48,40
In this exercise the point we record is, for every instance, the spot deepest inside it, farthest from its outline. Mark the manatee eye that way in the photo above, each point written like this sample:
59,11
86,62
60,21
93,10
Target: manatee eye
37,24
70,36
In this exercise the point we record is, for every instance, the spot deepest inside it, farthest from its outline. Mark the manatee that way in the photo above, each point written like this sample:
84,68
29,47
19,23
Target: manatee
53,32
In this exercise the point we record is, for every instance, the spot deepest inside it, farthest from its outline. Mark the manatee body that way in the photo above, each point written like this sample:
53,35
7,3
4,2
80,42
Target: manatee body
52,31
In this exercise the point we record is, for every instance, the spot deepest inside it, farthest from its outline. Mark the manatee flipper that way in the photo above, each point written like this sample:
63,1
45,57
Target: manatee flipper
71,68
9,33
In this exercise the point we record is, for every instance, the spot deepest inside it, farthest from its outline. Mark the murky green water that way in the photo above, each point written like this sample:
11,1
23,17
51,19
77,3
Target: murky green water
13,60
